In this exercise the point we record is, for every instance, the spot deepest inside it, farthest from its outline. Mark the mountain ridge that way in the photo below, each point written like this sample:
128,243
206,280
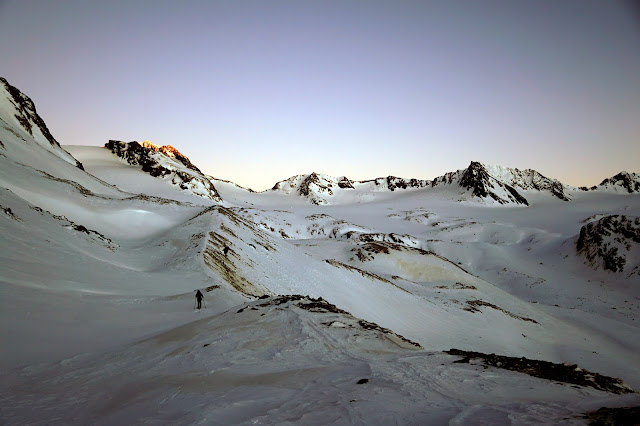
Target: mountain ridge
165,161
29,121
486,183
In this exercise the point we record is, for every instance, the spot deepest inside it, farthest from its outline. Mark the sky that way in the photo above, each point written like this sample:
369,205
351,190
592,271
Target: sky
258,91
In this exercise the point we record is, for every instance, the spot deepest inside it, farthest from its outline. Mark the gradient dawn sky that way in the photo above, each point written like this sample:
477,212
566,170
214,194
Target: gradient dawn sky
258,91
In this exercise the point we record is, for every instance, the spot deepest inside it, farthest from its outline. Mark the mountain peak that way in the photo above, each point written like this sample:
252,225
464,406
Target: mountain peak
623,180
484,181
483,185
165,161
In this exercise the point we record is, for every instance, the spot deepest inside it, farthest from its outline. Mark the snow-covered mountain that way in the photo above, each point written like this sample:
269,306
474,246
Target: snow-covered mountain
321,189
317,188
339,312
480,183
623,181
612,243
167,163
503,185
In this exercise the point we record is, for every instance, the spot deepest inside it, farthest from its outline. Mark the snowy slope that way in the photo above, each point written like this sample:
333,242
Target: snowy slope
97,275
286,360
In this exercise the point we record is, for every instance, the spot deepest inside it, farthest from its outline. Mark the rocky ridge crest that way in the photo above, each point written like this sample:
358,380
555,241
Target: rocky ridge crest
165,162
33,124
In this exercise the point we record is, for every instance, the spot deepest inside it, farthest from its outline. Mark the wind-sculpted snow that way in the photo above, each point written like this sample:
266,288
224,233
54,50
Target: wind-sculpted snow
612,243
166,163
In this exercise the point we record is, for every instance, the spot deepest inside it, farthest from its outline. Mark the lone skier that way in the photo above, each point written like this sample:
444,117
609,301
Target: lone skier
199,298
226,250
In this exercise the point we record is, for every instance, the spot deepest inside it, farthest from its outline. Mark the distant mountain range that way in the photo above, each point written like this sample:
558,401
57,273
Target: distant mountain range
478,183
483,183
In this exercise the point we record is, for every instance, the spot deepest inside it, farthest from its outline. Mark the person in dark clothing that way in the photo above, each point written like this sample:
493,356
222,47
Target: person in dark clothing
226,250
199,298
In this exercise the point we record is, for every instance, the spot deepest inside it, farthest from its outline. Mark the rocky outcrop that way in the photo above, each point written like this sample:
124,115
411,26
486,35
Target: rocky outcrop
32,123
314,184
392,183
316,187
563,373
171,152
320,189
477,179
624,181
165,162
529,179
611,243
26,113
503,184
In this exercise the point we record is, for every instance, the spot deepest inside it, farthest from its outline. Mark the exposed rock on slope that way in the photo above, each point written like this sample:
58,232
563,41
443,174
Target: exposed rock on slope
320,189
477,179
612,242
547,370
23,110
492,184
165,162
501,184
392,183
622,181
529,179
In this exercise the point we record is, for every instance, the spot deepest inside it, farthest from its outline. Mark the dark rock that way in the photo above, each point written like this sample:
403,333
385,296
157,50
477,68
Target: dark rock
28,116
549,371
608,240
477,179
143,155
628,181
614,416
472,306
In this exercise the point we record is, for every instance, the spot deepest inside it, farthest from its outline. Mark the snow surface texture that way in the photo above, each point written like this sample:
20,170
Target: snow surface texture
97,295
